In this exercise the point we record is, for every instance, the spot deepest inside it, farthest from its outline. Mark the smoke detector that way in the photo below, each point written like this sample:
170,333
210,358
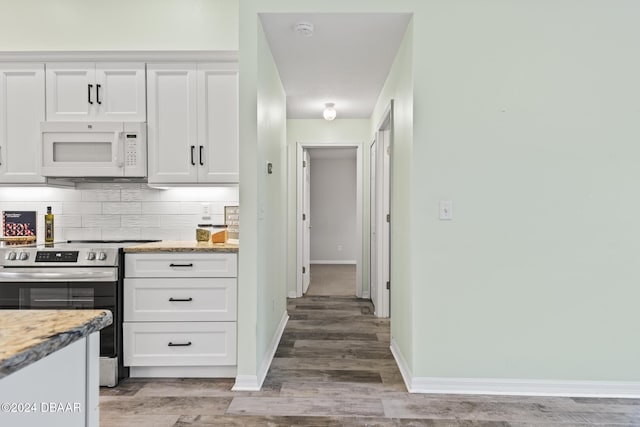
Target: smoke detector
305,29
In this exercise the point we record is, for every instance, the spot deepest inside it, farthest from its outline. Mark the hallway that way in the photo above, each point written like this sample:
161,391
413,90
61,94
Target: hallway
333,367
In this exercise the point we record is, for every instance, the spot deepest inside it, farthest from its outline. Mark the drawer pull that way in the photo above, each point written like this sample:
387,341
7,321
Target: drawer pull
181,299
187,344
181,265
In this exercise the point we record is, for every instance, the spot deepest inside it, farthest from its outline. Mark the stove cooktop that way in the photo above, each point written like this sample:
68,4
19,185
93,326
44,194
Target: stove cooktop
70,253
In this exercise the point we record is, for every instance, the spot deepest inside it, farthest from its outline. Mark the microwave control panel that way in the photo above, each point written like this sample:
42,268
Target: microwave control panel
131,149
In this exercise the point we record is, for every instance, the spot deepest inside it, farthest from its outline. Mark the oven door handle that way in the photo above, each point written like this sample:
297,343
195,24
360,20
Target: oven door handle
58,276
62,300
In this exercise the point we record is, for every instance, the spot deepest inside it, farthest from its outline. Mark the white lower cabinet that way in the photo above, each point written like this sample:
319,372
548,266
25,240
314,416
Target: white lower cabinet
181,324
180,343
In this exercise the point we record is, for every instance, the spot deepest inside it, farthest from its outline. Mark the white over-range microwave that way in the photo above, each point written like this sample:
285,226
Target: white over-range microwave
94,149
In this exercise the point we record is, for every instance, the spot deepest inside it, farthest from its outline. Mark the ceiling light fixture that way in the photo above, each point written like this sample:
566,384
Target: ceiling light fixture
305,29
329,112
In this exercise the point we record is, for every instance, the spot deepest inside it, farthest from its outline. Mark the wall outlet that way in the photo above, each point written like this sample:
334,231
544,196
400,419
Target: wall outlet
205,211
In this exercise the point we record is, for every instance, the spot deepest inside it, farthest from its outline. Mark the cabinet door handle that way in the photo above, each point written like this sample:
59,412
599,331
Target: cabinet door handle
193,147
201,164
89,93
186,344
98,94
181,299
181,265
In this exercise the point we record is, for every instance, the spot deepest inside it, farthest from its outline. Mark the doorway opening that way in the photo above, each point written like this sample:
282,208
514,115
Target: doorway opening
329,217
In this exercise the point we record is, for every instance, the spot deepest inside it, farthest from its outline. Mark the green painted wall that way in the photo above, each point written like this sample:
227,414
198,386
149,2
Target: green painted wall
527,118
27,25
271,283
317,132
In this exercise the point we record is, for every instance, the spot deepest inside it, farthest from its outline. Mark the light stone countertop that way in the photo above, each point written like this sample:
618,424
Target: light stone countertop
183,246
27,336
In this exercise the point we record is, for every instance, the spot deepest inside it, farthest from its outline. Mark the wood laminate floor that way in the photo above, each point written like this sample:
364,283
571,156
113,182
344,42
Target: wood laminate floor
333,367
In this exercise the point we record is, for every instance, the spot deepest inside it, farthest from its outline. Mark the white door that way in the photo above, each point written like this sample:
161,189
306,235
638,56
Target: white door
385,259
172,123
306,221
218,159
120,92
373,218
21,111
71,91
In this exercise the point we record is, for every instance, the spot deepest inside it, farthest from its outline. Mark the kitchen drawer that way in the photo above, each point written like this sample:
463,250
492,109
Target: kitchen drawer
196,299
168,264
179,343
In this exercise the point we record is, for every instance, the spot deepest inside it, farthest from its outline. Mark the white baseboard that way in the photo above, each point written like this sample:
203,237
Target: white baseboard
292,294
246,383
518,387
182,371
515,387
366,295
405,371
273,346
254,382
328,261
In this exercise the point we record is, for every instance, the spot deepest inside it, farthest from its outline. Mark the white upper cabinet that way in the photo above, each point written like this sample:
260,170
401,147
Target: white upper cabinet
172,124
22,96
193,123
103,91
218,123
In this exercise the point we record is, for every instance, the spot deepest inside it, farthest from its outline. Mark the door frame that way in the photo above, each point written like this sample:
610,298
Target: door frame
383,228
299,208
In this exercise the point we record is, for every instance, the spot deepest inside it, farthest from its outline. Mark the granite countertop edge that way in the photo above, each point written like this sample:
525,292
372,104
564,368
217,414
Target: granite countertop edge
183,246
53,343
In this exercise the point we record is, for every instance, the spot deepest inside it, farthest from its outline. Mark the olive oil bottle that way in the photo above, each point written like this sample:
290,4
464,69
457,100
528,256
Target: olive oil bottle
48,226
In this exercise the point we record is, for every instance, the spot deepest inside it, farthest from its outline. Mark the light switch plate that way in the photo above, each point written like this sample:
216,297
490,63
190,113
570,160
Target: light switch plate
446,210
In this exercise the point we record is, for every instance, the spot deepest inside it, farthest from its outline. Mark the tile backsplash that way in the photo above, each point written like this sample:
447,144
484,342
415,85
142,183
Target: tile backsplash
121,211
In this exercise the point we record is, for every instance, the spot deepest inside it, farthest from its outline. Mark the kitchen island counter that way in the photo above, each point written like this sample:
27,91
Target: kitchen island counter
27,336
183,246
49,367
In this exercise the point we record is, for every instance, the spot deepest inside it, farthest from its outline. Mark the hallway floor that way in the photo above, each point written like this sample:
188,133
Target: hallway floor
332,280
333,367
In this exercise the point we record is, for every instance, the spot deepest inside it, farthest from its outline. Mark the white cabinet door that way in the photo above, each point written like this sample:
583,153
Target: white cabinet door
179,343
120,91
182,300
21,111
177,265
71,91
86,91
172,123
218,123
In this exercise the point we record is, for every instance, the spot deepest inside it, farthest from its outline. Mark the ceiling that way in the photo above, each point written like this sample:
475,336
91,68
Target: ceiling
346,61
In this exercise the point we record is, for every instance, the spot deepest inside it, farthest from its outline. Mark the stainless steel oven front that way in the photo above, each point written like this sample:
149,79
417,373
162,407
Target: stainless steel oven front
63,288
52,278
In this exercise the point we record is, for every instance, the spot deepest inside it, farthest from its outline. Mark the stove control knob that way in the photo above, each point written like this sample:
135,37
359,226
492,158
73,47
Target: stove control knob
10,256
91,256
102,256
23,256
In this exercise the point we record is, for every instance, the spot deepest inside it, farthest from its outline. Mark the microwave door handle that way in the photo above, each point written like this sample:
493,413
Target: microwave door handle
118,137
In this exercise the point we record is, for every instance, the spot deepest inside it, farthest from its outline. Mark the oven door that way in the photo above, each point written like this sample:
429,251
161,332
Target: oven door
64,289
